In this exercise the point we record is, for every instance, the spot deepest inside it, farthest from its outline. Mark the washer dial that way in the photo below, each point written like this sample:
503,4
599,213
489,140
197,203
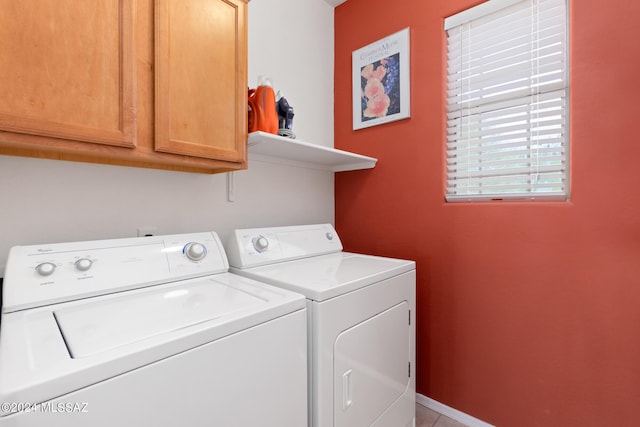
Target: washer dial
195,251
260,243
83,264
45,268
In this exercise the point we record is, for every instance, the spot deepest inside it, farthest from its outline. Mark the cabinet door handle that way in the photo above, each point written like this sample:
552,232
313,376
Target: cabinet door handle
346,389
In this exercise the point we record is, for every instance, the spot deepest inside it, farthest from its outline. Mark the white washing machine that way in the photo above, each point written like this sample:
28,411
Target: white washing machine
361,318
147,331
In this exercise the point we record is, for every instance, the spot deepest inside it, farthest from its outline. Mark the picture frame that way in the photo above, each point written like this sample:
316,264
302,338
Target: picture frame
381,81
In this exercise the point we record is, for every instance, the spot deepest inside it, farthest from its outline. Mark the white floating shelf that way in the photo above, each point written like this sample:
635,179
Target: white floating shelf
280,147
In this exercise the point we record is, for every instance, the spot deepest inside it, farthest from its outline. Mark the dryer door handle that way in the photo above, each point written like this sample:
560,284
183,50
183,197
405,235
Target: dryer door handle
346,389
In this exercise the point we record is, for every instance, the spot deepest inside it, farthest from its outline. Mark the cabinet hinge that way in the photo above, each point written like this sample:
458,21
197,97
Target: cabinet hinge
409,371
409,317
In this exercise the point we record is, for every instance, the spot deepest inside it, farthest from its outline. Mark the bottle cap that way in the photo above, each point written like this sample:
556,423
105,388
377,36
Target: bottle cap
264,81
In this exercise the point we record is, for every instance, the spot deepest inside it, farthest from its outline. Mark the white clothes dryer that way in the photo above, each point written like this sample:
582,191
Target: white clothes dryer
148,331
361,320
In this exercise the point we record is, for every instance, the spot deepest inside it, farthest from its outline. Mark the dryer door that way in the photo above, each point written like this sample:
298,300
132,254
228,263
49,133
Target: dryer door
371,369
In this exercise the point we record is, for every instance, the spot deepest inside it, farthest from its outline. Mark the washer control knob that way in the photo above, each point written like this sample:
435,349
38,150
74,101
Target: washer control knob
83,264
45,268
195,251
329,235
260,243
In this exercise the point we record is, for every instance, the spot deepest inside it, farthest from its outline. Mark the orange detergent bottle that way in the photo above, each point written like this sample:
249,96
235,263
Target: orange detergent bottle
262,107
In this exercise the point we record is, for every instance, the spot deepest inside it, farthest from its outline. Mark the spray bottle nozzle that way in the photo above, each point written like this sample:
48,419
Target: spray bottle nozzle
285,114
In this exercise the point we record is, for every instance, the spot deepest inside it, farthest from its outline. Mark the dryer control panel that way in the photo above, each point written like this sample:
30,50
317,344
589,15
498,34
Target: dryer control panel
40,275
251,247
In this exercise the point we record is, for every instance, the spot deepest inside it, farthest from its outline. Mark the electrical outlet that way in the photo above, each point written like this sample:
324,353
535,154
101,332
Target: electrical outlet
147,230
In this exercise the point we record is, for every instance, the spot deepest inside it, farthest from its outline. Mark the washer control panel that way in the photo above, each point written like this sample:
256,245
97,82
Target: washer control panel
39,275
251,247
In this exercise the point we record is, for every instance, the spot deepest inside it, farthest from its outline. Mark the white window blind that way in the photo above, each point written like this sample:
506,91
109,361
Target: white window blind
507,95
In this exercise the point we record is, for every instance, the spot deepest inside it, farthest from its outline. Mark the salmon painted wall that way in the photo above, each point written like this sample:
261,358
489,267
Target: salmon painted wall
528,314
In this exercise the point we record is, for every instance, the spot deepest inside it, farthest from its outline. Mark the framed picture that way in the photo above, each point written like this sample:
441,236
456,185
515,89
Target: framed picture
381,81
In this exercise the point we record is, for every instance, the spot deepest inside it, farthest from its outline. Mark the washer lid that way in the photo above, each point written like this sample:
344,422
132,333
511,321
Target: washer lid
106,324
322,277
49,351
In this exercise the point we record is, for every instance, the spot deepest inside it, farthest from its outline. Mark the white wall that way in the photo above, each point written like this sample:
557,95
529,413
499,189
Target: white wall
293,44
54,201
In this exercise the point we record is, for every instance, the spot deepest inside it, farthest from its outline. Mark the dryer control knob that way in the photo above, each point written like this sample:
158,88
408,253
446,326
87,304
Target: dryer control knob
260,243
46,268
195,251
83,264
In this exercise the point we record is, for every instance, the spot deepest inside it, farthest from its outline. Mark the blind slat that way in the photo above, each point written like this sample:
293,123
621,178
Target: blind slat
505,63
508,133
512,38
543,100
516,114
498,16
504,174
515,94
545,187
543,154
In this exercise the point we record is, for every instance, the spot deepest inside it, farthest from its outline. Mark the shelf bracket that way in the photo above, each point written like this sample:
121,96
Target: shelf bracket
231,190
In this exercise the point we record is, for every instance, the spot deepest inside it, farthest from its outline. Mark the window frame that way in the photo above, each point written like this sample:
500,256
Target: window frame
475,13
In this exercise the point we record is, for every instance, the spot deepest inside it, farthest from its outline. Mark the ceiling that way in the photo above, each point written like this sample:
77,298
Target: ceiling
335,3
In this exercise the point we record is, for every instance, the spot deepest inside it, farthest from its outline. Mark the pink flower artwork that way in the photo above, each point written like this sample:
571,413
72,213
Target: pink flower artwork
380,91
377,100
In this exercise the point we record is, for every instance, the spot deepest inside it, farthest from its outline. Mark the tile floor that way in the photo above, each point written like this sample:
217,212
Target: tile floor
426,417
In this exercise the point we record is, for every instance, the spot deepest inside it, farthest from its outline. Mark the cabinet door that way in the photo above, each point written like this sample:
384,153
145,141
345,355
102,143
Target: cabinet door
67,70
201,78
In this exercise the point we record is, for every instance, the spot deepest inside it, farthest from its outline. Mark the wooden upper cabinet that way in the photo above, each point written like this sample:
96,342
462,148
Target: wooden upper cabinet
67,70
143,83
201,78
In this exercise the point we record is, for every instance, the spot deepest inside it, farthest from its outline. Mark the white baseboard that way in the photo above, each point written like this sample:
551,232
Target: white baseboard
454,414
